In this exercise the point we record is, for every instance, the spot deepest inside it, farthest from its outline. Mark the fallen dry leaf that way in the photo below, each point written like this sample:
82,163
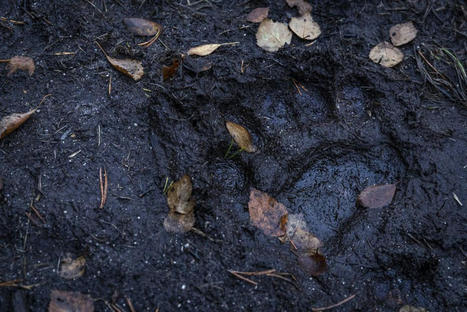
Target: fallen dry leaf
179,196
179,223
386,54
313,263
304,27
302,6
272,36
257,15
10,123
22,63
181,216
402,33
169,71
72,268
408,308
266,213
377,196
241,136
129,67
141,26
70,301
207,49
298,234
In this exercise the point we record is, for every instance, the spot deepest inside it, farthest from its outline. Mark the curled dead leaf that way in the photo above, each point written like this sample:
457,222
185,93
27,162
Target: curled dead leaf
377,196
179,223
386,54
169,71
181,216
179,196
272,36
304,27
299,235
241,136
313,263
141,26
22,63
72,268
129,67
257,15
266,213
207,49
10,123
70,301
302,6
402,33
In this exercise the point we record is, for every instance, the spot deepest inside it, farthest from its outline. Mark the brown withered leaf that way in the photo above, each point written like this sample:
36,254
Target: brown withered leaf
266,213
402,33
72,268
304,27
302,6
179,196
22,63
70,301
297,232
141,26
271,36
257,15
169,71
179,223
241,136
377,196
10,123
207,49
409,308
129,67
313,263
386,54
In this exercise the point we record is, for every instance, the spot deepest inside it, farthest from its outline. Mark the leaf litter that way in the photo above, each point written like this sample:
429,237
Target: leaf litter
271,36
129,67
12,122
24,63
72,268
386,54
302,6
304,27
70,301
241,136
272,217
207,49
181,216
257,15
402,33
377,196
143,27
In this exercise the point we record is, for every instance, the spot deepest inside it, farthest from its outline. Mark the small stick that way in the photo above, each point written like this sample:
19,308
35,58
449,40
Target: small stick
110,85
243,278
37,212
130,305
103,186
12,283
296,86
265,272
334,305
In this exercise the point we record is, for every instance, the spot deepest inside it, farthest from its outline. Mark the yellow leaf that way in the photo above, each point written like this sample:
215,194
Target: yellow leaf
305,27
129,67
207,49
10,123
241,136
386,54
72,268
272,36
402,33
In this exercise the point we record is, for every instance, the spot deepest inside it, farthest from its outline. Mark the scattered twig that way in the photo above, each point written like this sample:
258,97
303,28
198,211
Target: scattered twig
12,283
334,305
271,273
103,186
130,304
234,273
36,212
201,233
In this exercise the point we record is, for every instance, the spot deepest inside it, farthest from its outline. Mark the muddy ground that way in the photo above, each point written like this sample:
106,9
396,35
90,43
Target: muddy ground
355,125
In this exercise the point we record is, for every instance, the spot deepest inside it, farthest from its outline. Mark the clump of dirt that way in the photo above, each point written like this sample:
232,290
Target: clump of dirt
327,122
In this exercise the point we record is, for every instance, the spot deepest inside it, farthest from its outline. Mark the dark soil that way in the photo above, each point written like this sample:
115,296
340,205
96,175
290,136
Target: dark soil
355,125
